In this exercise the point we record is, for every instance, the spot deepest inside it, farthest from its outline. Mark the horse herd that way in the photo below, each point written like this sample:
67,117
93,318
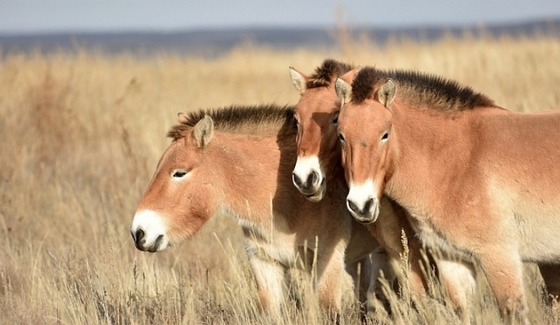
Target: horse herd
375,156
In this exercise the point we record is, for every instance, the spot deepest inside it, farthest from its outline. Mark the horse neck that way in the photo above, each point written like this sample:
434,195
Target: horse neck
257,171
333,165
423,141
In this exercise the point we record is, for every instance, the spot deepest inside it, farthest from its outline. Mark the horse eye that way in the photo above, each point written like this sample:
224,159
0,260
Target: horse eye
385,136
335,120
179,173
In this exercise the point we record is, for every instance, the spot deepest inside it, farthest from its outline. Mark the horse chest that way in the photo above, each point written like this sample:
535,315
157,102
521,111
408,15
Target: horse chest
270,246
431,236
281,250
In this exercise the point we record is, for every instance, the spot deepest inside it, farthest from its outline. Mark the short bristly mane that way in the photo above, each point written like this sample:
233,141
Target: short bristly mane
258,119
419,89
327,73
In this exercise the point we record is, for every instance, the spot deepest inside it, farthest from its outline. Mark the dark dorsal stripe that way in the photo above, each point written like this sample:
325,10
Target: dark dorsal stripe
327,73
418,88
239,119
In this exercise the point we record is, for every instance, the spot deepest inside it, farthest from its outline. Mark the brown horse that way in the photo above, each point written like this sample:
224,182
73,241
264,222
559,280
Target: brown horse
319,163
477,178
238,161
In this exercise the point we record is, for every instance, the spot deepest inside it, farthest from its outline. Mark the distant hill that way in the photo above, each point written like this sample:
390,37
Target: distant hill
214,42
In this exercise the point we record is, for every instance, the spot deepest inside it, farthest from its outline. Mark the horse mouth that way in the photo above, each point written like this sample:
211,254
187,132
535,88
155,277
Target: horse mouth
365,220
317,195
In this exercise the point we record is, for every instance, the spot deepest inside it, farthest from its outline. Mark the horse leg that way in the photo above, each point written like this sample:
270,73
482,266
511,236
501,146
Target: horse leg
381,269
417,279
270,278
360,271
329,276
460,281
504,270
458,277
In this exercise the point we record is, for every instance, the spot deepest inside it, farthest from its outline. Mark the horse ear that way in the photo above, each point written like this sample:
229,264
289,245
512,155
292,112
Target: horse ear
343,90
349,76
203,131
181,118
386,93
299,80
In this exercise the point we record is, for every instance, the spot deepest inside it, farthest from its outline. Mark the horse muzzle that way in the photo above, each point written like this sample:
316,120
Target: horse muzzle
149,231
366,212
313,187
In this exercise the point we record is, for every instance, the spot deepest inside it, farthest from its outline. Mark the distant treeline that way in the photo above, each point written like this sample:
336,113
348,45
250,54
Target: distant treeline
215,42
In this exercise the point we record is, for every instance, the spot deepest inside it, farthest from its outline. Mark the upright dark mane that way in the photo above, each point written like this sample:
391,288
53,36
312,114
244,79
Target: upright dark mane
365,81
257,119
327,73
418,88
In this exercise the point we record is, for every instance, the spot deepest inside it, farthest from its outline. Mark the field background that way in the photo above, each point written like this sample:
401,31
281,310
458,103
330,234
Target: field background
81,134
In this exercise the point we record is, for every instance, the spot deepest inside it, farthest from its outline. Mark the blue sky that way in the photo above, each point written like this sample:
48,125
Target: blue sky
32,16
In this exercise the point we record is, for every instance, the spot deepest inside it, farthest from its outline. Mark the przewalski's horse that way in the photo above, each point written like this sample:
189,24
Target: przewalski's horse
478,179
238,161
319,163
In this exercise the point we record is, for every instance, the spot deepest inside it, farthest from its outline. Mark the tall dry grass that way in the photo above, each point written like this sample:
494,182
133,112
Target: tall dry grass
81,134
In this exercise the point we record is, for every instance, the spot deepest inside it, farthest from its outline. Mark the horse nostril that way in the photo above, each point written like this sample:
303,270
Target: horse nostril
139,235
352,206
313,178
158,241
368,205
153,248
296,180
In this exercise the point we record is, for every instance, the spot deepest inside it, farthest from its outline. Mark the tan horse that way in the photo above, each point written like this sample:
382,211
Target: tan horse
238,161
478,179
319,163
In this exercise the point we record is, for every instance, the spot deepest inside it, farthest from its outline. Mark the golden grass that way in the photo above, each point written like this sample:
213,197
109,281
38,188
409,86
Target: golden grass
81,135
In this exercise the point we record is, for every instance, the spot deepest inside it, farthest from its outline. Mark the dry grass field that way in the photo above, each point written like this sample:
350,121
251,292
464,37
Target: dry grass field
81,135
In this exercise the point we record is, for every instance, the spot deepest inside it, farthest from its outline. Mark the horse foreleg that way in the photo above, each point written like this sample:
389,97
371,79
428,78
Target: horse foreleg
382,269
417,276
504,270
360,271
271,285
329,281
460,281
